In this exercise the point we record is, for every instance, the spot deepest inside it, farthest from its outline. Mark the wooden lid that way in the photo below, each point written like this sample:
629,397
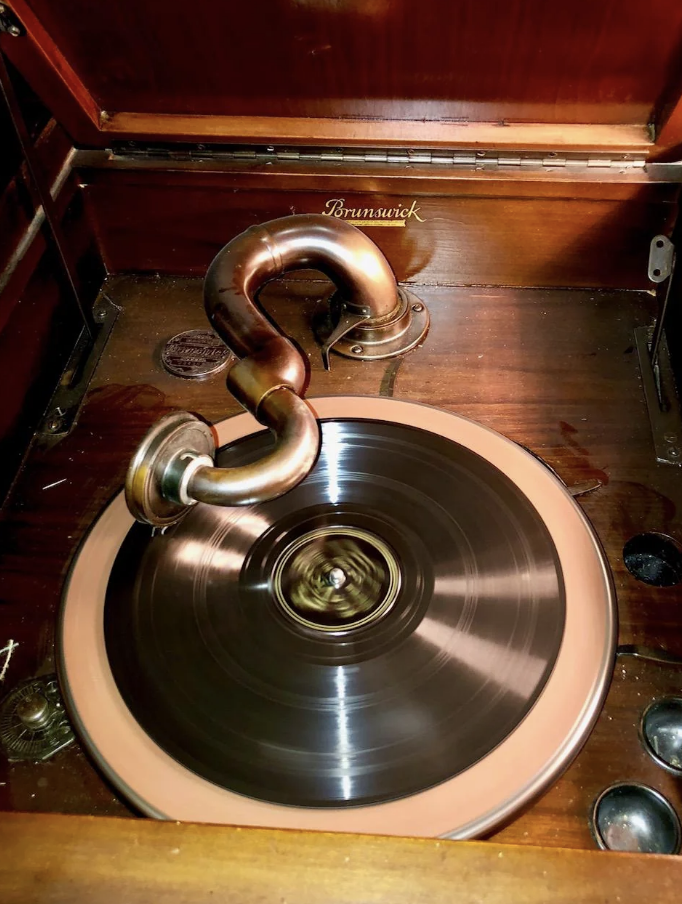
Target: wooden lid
600,75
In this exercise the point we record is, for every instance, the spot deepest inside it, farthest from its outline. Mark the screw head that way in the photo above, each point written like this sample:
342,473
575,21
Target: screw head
99,314
14,30
3,8
356,349
54,425
673,452
418,308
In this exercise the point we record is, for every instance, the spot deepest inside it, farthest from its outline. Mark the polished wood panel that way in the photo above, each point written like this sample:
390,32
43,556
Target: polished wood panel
35,344
69,860
527,75
348,132
526,61
39,323
51,76
554,370
495,227
669,132
36,118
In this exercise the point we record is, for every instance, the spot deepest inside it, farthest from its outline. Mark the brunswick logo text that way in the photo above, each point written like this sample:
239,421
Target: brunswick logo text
371,216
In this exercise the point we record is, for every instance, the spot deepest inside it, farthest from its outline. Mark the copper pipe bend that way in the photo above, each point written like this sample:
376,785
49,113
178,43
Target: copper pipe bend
173,467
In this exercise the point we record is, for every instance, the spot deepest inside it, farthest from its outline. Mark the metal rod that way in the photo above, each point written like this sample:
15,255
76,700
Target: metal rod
34,227
42,197
660,321
652,654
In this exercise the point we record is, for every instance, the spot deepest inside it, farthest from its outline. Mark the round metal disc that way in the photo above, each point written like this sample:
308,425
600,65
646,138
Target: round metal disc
413,717
194,354
174,433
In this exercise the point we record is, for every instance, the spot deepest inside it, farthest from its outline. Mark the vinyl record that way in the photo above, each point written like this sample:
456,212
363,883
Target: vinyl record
238,655
415,640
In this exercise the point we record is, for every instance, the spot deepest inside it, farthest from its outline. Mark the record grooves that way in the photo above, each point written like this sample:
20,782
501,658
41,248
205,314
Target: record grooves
438,612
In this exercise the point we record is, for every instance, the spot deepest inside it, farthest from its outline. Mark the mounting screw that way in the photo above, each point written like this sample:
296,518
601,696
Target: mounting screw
55,422
10,24
356,349
673,452
99,314
670,437
418,308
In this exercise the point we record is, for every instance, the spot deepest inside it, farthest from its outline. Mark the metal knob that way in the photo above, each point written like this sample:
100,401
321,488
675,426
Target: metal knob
34,711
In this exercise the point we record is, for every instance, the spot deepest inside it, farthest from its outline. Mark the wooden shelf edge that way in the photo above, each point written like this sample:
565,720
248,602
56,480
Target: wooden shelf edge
98,859
387,133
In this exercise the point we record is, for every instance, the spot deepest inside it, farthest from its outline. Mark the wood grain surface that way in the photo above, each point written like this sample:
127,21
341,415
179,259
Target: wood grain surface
68,860
377,132
51,76
527,61
471,74
474,227
553,370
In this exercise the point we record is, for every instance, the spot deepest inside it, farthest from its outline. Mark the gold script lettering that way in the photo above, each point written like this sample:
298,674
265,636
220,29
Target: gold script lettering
363,216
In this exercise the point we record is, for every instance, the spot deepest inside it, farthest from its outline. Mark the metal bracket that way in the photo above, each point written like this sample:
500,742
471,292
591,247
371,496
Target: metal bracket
658,380
66,402
661,268
347,322
10,24
661,398
661,258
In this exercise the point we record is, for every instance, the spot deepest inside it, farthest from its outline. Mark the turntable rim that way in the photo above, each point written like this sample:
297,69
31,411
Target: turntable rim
469,804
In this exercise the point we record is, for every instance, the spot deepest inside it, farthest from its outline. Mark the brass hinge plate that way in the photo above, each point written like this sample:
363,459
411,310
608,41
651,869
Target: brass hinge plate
471,159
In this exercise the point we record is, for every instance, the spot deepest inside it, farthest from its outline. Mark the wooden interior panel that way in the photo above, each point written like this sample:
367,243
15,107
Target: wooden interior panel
36,117
39,323
496,231
49,74
35,343
345,132
524,61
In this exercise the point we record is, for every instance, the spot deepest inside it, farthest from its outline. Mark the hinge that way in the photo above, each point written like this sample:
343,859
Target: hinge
477,159
10,23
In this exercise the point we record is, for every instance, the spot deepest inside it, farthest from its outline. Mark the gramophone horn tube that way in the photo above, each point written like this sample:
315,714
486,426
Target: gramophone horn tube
297,441
353,262
171,469
269,362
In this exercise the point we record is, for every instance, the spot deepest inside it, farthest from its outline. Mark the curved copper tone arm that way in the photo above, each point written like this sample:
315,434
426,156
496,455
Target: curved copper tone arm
169,472
270,362
352,261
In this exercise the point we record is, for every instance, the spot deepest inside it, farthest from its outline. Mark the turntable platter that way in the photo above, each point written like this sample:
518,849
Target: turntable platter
416,639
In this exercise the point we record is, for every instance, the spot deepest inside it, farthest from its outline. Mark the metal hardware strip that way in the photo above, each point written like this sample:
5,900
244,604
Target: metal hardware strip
394,156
